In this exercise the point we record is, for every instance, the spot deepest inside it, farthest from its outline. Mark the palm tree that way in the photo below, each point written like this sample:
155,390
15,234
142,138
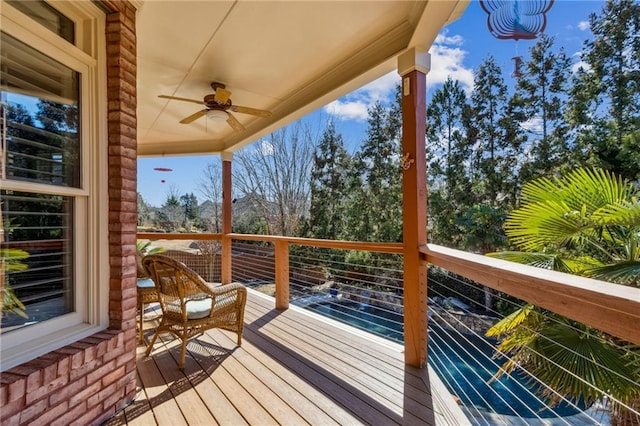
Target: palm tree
586,223
144,248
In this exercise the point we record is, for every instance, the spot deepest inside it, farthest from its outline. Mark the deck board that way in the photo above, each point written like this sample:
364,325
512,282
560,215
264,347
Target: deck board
292,368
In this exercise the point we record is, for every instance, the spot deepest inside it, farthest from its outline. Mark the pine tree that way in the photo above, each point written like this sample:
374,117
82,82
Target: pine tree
538,105
605,107
448,152
329,176
496,136
376,205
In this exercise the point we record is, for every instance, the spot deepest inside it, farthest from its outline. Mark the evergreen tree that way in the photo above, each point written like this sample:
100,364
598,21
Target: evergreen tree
538,105
448,151
496,136
189,203
605,107
376,205
329,175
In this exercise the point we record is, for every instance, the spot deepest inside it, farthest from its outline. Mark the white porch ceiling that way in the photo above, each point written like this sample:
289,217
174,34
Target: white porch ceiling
288,57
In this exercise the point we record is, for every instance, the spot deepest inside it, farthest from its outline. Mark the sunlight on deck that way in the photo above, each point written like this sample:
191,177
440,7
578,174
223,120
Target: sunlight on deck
292,368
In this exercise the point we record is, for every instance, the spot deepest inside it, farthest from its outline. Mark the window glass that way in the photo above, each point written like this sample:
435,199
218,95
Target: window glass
36,255
41,115
47,16
40,144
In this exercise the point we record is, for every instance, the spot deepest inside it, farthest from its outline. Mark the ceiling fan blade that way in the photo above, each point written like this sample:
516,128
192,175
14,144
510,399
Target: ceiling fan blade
234,123
193,117
222,95
176,98
252,111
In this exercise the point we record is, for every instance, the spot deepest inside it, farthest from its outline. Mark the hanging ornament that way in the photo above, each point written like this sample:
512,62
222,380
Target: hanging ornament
516,19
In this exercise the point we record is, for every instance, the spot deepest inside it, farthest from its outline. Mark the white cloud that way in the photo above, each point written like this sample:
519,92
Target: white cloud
446,60
580,64
354,106
533,125
347,110
583,25
443,38
265,148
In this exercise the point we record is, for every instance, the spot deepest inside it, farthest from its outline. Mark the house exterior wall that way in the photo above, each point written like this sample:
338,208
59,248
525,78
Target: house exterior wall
88,381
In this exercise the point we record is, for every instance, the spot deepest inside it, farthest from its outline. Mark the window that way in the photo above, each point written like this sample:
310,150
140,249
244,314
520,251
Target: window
52,184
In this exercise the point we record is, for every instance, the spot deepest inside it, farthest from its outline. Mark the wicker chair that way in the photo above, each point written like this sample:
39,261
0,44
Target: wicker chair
146,292
190,305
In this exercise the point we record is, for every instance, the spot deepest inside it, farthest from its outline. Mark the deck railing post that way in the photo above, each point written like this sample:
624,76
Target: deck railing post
282,274
226,262
412,67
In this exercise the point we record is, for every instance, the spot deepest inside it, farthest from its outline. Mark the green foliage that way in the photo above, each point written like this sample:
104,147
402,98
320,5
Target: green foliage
584,223
605,102
11,261
329,187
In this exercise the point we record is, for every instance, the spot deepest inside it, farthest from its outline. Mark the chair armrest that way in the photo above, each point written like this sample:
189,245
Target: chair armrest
227,288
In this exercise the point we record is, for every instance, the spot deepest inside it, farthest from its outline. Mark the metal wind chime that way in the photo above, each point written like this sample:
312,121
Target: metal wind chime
516,20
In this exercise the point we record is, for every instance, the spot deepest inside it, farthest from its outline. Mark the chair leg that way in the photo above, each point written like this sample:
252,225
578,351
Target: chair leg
153,340
183,353
141,308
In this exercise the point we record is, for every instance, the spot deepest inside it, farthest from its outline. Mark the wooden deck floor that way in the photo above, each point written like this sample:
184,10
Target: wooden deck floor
293,368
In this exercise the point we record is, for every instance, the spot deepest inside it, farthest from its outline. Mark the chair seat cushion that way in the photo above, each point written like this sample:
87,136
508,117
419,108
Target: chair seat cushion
145,283
197,309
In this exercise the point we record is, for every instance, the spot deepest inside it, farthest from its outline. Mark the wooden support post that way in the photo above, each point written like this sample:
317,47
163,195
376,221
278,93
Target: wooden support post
226,263
412,67
282,274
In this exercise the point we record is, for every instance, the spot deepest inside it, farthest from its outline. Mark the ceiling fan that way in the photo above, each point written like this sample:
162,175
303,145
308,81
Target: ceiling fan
219,105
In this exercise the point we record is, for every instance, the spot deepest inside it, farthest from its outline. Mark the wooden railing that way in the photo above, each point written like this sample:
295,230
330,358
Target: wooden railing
612,308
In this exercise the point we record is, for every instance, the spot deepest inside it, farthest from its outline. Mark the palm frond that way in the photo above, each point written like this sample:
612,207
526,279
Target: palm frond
536,226
626,272
510,322
624,213
586,359
551,261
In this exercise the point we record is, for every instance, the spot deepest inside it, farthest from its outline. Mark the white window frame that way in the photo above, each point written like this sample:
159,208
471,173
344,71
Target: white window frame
90,231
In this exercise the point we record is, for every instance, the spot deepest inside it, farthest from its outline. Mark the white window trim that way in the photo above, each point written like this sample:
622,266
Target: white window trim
91,242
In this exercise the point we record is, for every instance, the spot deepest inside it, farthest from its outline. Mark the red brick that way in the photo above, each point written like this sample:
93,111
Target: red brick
46,389
13,407
69,416
32,375
13,420
76,356
31,411
85,394
84,370
100,372
13,387
51,414
113,376
97,398
89,418
66,392
113,399
63,366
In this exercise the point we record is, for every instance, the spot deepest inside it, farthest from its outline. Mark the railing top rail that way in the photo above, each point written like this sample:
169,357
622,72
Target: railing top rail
393,248
178,236
612,308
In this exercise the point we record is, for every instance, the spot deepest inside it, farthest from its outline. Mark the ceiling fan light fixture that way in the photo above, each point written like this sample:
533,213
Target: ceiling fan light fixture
217,115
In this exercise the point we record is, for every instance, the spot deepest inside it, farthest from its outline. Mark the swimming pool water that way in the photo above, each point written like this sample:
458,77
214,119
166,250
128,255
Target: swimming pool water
461,360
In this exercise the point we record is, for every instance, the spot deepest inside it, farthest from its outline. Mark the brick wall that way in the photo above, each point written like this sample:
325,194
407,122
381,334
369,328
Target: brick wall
88,381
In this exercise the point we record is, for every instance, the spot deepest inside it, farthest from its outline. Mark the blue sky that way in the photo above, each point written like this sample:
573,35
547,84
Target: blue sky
458,50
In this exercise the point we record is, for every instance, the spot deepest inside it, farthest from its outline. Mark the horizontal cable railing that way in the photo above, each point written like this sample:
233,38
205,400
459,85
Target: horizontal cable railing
469,365
361,284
